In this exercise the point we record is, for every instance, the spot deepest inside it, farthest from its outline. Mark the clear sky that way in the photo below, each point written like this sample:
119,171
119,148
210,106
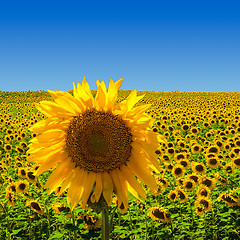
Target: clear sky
159,45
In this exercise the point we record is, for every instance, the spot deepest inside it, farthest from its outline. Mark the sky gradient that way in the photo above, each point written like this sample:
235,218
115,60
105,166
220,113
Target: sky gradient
152,45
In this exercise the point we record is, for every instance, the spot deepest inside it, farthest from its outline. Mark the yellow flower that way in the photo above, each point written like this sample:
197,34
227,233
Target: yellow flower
178,170
188,184
159,214
90,222
98,147
205,202
59,207
22,186
36,207
229,199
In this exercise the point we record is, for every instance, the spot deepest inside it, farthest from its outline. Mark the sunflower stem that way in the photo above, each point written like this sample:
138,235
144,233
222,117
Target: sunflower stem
105,224
111,219
73,220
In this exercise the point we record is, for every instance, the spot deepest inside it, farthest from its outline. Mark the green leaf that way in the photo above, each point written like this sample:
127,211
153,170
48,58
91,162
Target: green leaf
71,227
16,231
56,235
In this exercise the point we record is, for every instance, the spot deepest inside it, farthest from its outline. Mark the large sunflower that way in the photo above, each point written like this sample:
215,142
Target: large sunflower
98,146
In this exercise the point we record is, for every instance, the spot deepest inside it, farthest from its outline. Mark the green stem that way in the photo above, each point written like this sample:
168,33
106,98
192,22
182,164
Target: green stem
105,224
49,223
172,229
111,220
192,216
6,213
73,219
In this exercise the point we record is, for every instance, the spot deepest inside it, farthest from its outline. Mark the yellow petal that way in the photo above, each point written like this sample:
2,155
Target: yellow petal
69,105
120,184
51,162
98,189
75,190
112,93
87,188
107,188
57,94
133,99
59,174
138,111
140,170
52,109
83,93
101,99
133,182
67,181
40,152
49,135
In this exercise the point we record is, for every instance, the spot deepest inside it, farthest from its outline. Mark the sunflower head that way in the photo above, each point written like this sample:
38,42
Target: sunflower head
22,186
205,202
95,146
35,206
159,214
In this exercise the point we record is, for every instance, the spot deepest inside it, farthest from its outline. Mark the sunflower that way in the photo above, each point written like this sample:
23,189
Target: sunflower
213,162
205,202
196,148
90,222
236,162
23,144
199,210
31,177
188,184
194,130
184,163
169,166
229,168
180,156
12,187
159,214
194,177
203,191
10,197
173,195
229,199
178,171
198,168
20,150
22,172
162,182
35,206
8,147
59,208
213,149
98,147
222,181
22,186
209,182
185,127
183,197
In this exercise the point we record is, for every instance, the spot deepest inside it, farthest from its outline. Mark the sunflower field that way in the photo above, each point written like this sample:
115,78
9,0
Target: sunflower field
198,194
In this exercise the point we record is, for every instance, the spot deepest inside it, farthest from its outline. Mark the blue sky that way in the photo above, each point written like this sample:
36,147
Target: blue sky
152,45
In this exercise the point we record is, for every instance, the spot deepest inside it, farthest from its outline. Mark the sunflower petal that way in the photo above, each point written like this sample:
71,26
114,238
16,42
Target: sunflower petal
87,188
98,189
120,184
58,175
107,188
133,182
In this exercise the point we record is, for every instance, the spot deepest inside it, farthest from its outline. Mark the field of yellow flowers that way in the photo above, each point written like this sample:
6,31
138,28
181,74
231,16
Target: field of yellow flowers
198,193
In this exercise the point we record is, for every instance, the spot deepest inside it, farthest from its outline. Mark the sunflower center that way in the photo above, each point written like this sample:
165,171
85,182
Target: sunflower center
158,214
97,144
98,141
